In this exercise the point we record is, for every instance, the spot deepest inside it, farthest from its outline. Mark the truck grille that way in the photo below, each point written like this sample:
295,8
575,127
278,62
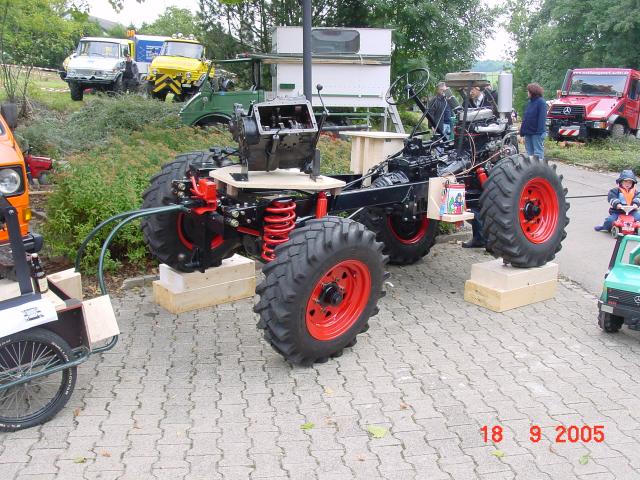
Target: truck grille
624,298
575,112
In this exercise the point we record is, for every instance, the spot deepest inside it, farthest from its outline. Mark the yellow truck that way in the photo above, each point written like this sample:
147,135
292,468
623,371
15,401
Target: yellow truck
180,68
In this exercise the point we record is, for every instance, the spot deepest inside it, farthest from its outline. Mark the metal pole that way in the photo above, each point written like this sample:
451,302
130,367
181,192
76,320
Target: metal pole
306,49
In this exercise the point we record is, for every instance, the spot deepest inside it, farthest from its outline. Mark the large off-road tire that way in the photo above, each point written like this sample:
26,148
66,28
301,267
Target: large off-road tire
523,210
321,289
118,86
77,92
169,236
161,95
610,323
405,242
618,130
36,401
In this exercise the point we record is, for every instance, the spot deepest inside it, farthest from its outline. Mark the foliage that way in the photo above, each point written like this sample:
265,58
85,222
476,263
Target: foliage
95,122
491,66
611,154
110,179
554,35
443,35
174,20
35,33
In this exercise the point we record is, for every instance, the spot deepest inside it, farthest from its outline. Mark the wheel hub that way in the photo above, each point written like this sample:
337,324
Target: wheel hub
331,294
531,210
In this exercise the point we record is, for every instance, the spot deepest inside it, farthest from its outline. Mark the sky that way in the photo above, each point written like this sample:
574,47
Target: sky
136,13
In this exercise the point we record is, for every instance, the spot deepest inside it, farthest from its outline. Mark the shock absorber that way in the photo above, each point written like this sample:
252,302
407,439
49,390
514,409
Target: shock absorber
279,220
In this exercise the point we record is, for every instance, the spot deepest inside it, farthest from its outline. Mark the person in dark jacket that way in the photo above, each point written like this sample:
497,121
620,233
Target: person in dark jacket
130,75
625,193
440,110
533,121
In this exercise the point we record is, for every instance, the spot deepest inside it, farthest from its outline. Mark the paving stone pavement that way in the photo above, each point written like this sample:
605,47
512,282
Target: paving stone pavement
201,396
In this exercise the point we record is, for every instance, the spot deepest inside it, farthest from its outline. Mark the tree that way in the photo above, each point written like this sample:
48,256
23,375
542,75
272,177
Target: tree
554,35
174,20
444,35
35,33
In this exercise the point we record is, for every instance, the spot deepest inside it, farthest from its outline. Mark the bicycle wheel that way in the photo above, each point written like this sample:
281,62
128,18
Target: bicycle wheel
35,401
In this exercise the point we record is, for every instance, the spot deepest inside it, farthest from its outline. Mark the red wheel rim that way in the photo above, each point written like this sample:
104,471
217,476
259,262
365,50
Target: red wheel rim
182,235
409,232
539,209
338,299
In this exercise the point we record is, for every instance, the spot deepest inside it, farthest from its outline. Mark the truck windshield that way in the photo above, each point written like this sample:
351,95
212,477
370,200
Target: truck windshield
100,49
631,254
182,49
600,85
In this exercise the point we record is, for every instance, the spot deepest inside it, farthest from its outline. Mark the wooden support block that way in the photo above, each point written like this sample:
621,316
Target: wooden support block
99,319
495,274
233,268
460,217
69,281
215,294
182,292
501,300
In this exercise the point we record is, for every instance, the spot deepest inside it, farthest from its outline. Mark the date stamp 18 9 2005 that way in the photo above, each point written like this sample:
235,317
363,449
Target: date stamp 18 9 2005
563,433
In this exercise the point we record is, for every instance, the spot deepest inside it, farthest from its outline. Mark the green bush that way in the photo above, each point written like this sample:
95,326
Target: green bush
95,123
108,180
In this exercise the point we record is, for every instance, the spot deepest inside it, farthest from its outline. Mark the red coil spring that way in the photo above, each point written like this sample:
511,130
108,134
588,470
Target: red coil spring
277,226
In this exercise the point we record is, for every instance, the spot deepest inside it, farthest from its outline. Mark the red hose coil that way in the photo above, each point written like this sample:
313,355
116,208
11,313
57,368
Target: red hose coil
278,223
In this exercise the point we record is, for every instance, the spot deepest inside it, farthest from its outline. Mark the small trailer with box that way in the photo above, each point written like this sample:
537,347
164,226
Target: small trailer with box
46,331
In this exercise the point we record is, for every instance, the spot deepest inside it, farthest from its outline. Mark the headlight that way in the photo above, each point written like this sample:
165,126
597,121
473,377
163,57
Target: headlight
155,71
188,75
10,181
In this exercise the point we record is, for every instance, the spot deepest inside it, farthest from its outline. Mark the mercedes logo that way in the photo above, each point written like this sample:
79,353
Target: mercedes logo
637,299
566,110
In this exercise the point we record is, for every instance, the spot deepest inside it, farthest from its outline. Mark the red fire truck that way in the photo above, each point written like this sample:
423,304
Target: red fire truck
595,102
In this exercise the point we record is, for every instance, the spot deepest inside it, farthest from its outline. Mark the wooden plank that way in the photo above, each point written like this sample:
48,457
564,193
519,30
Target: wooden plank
69,281
232,268
495,274
99,319
179,302
501,300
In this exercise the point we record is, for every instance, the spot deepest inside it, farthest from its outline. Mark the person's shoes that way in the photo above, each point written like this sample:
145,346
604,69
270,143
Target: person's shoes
599,228
474,243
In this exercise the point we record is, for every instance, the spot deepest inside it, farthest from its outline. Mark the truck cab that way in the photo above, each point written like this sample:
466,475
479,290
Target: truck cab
14,186
97,63
596,103
180,68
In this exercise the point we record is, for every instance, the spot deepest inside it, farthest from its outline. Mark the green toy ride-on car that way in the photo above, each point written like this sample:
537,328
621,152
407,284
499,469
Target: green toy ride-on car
619,302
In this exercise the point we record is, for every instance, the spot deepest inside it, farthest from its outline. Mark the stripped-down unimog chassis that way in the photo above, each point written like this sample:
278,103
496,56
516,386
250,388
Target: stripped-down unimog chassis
326,239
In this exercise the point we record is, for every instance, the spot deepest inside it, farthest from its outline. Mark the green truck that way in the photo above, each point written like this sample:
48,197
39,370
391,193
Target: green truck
619,302
214,102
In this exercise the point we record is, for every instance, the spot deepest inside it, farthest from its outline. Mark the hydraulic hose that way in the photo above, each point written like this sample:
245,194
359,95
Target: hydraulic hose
133,216
128,217
94,232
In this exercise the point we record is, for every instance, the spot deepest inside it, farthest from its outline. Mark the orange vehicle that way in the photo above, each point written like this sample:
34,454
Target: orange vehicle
15,187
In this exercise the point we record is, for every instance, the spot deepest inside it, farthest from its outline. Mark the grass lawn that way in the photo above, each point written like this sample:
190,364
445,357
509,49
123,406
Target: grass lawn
609,154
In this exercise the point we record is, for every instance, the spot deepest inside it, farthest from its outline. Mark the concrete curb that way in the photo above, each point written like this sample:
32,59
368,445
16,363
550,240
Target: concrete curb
141,281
